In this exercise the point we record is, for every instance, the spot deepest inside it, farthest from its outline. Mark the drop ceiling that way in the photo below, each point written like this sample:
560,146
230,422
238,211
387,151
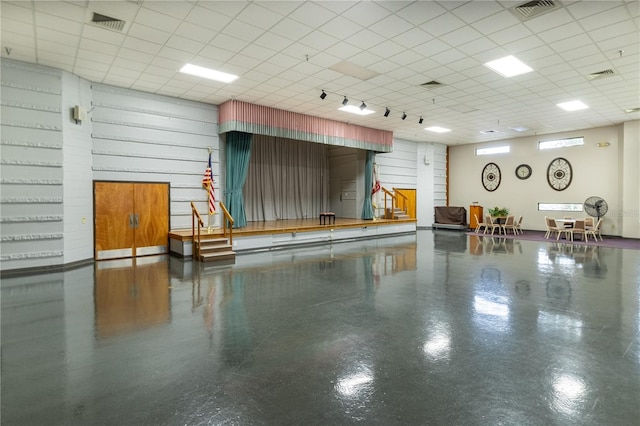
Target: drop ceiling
287,52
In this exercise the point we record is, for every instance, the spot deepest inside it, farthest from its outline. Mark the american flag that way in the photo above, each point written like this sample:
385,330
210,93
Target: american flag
207,183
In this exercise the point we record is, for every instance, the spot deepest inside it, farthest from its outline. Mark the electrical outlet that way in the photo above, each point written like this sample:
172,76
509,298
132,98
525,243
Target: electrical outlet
84,220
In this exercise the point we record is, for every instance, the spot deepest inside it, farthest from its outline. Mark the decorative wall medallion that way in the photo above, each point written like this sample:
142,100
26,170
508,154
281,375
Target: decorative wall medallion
523,171
491,177
559,174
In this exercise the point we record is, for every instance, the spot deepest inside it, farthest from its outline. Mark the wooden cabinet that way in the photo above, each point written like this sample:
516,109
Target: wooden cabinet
476,210
131,219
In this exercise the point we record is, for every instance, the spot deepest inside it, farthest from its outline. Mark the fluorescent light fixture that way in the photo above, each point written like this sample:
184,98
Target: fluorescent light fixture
508,66
494,150
355,110
208,73
520,128
437,129
572,106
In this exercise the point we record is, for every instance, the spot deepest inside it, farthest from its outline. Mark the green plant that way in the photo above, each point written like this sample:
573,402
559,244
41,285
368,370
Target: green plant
499,211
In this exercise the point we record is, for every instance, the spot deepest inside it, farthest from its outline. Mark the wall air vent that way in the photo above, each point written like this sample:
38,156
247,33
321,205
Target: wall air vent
107,22
601,74
431,84
531,9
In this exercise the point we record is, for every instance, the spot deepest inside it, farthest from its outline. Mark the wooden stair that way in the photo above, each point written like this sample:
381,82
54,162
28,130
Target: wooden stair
214,249
397,214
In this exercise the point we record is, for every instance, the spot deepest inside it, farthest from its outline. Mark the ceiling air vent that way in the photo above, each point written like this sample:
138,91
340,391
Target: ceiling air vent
431,84
601,74
489,132
107,22
531,9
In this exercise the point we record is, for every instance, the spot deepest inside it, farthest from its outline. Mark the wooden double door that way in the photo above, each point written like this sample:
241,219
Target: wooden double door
131,219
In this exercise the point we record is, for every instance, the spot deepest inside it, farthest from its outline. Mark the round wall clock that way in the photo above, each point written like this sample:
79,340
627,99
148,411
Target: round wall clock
559,174
523,171
491,177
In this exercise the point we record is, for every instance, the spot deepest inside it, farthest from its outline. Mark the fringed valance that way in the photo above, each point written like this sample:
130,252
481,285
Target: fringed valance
262,120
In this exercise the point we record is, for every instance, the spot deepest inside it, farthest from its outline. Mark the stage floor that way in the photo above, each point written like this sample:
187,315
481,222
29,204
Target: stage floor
289,225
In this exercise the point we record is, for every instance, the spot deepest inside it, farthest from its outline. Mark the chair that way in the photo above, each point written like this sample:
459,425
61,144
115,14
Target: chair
510,223
479,224
491,224
518,226
595,231
588,222
578,228
551,227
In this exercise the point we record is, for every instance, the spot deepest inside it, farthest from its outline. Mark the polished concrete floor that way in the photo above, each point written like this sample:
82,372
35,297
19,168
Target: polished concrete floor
438,328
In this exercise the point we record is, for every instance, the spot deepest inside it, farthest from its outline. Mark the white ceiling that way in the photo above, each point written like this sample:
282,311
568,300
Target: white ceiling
283,52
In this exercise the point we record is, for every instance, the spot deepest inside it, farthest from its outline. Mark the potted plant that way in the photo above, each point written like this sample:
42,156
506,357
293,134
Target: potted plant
499,211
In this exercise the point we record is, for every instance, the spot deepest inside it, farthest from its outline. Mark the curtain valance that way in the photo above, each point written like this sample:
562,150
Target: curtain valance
245,117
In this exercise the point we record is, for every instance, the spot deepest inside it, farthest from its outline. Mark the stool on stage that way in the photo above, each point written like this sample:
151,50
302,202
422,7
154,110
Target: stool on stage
325,215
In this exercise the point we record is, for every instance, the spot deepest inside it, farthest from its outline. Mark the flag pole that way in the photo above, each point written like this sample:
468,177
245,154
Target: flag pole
208,191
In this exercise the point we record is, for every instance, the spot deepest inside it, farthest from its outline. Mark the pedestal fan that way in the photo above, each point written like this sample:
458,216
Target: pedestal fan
595,207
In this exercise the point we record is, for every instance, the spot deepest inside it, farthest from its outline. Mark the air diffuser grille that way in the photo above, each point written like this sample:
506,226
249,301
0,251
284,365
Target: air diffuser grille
531,9
107,22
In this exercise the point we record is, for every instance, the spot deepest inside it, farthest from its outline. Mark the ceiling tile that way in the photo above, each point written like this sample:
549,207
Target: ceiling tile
391,26
290,29
102,34
141,45
442,25
366,14
152,35
160,21
58,24
420,12
312,14
17,12
207,18
176,9
195,32
474,11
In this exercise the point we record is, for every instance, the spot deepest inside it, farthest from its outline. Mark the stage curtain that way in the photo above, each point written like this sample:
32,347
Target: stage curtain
238,148
287,179
367,207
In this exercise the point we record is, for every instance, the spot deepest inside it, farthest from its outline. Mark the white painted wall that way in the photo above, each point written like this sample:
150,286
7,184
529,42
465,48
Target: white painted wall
630,177
77,174
142,137
596,171
31,186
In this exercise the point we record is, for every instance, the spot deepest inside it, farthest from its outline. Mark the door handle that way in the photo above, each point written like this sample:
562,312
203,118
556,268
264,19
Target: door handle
131,225
136,220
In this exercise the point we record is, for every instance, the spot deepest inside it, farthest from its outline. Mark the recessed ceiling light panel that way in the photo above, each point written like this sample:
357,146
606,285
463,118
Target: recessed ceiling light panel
208,73
355,110
509,66
437,129
572,106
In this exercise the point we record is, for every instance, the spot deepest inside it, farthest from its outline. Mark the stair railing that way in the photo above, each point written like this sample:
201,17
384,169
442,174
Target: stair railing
394,200
195,251
227,220
395,197
403,201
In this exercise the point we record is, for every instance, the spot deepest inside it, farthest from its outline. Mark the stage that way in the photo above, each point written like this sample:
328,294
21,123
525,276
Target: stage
274,234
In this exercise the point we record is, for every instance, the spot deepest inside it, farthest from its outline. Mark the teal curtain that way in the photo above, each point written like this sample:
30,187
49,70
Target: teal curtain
367,207
237,163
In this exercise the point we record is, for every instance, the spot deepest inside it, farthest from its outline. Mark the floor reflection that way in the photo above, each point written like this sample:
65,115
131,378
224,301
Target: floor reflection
131,294
363,331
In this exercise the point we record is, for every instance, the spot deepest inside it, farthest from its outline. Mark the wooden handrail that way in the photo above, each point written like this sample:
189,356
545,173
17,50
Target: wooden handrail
194,214
395,197
227,219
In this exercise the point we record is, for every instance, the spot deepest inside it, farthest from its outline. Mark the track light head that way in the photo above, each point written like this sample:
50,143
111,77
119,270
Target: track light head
404,115
323,95
345,101
387,111
363,106
421,120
